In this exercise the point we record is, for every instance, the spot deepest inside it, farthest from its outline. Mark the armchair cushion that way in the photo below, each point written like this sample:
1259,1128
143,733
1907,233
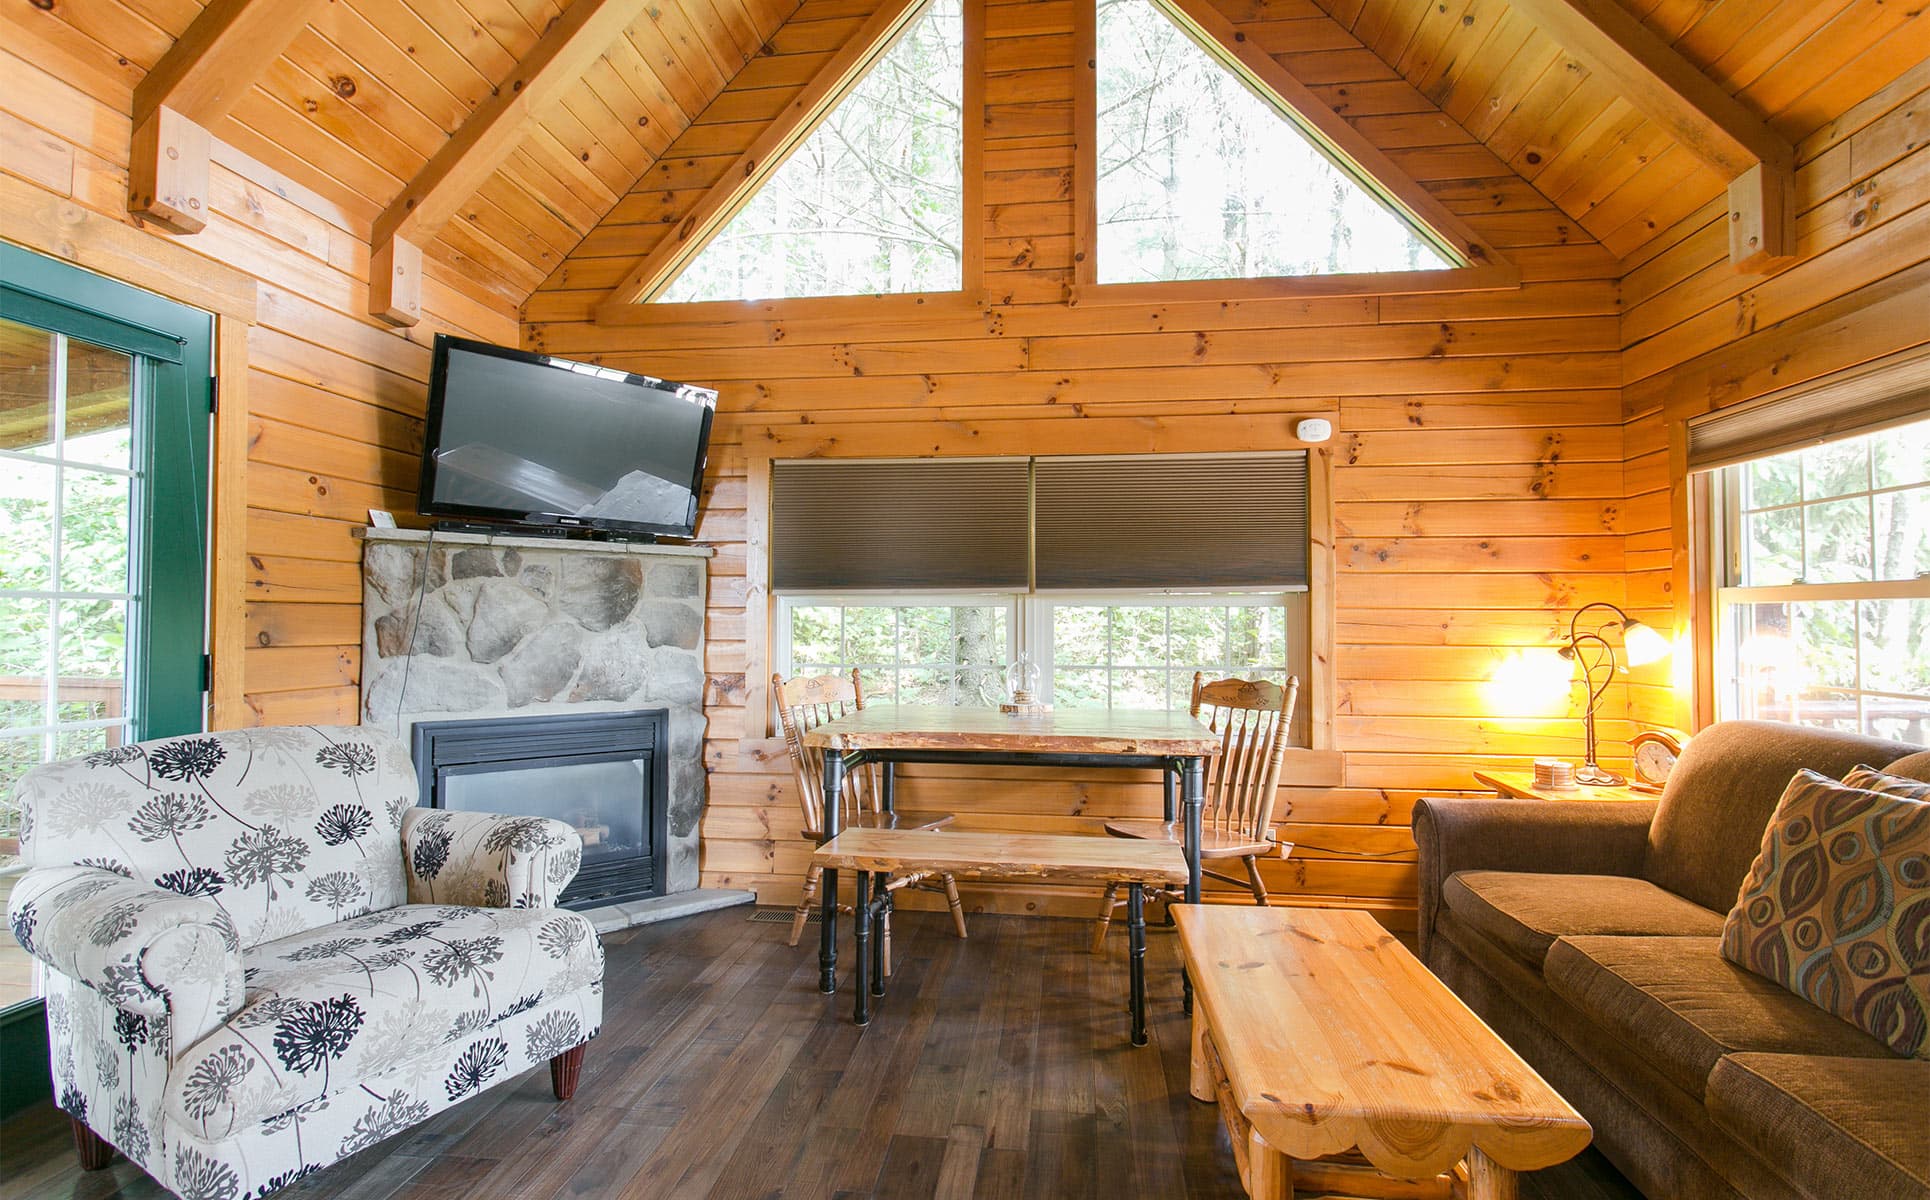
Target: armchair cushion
1523,835
334,1007
146,950
487,859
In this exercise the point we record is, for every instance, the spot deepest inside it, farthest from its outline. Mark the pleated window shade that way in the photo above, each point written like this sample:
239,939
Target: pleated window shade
909,524
1166,521
1864,399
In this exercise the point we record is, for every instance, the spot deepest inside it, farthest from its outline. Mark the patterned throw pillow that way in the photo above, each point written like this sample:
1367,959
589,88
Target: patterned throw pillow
1871,779
1837,908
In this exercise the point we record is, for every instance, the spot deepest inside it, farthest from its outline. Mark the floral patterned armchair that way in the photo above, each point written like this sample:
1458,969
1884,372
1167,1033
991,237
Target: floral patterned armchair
262,956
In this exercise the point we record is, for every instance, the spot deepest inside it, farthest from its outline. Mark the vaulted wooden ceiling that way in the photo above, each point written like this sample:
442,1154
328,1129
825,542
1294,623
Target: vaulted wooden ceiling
367,93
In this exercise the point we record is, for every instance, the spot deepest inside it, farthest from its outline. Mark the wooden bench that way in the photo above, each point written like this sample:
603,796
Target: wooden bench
876,854
1343,1067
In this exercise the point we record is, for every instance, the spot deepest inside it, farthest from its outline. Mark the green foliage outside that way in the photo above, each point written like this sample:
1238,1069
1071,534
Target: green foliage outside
1200,178
871,202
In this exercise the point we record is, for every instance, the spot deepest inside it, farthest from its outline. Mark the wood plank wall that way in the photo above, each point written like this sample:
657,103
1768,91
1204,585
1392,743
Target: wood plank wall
1478,477
1698,336
334,403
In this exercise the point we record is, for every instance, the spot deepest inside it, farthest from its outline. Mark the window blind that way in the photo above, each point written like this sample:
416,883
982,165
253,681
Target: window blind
1163,521
1890,391
903,524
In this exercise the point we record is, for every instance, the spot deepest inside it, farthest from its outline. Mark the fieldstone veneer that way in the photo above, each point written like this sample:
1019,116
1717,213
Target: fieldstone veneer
520,625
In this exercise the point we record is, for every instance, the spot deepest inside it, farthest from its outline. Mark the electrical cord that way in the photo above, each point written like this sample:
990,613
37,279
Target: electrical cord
415,630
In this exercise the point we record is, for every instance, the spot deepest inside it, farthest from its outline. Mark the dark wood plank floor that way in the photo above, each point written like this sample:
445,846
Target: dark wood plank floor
996,1067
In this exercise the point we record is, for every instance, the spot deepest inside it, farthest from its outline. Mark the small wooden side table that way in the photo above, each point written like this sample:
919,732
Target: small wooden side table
1521,786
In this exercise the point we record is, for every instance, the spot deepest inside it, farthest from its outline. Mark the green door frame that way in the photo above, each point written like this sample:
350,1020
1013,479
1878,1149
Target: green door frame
168,526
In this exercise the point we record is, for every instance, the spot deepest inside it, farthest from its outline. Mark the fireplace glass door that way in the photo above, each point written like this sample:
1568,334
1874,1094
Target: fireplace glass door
602,797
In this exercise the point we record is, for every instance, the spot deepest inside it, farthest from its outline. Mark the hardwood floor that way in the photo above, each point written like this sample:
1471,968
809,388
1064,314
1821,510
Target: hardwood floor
997,1067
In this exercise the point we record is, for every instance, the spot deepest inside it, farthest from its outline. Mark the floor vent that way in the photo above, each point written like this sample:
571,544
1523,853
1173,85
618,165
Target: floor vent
781,916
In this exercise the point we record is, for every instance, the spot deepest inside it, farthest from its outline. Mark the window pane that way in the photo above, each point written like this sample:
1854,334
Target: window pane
1139,636
815,634
26,525
870,635
93,639
1079,687
1199,635
93,531
26,389
1773,549
23,637
925,634
1773,481
1902,455
99,394
1896,646
1838,549
981,688
924,687
1200,178
871,201
1836,469
1078,634
1903,534
1139,689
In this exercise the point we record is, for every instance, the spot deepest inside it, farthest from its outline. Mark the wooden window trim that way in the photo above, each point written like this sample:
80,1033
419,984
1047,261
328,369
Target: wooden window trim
1098,435
1484,267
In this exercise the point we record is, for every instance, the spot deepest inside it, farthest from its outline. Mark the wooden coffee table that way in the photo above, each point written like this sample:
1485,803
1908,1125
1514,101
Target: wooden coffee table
1342,1066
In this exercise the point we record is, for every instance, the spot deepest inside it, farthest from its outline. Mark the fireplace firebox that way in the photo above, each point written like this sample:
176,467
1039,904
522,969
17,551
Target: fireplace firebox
607,774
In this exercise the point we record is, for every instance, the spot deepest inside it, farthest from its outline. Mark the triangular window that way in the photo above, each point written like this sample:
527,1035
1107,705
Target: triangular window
871,201
1200,177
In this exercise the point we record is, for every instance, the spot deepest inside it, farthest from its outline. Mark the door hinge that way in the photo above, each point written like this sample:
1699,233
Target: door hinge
207,673
214,395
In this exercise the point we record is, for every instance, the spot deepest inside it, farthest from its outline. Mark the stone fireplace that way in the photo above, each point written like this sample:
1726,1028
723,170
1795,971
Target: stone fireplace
463,627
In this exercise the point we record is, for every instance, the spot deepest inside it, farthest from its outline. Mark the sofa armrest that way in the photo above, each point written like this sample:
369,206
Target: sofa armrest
1478,834
488,860
146,950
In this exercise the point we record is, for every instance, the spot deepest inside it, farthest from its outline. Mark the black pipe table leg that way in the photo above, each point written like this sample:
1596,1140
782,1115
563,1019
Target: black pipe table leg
1136,941
881,905
1168,796
861,1008
828,923
887,785
1193,795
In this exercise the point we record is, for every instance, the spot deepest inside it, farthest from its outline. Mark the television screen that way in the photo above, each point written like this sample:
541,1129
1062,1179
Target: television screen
521,437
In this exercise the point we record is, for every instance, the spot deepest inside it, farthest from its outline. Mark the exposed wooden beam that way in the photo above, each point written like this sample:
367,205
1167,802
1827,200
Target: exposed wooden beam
569,47
799,118
1710,123
201,77
1480,262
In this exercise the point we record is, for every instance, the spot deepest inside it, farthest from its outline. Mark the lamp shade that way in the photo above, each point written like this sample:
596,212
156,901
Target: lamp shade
1641,644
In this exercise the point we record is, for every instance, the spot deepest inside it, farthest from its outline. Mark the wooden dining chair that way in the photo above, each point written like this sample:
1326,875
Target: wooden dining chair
803,704
1252,720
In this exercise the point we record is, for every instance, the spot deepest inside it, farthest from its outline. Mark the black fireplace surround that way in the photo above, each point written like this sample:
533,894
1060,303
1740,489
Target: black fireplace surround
606,774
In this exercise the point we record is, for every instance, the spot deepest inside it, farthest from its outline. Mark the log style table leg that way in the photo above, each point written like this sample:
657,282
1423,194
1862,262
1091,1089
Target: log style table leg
1136,931
1488,1179
1269,1172
1200,1083
861,928
828,924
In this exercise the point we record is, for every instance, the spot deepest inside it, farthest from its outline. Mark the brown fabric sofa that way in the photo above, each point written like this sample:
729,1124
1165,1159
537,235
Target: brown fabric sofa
1586,934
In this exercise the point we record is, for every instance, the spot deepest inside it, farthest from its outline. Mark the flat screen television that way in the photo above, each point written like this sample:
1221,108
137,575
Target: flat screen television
527,439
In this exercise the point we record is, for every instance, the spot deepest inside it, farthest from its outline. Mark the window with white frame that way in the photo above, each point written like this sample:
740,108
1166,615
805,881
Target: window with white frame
1823,603
1093,651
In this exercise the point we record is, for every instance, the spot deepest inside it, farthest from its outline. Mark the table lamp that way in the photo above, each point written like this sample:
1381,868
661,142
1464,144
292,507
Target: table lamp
1641,645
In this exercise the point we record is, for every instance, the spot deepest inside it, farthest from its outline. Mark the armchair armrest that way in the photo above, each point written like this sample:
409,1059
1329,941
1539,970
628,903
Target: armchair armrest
488,860
144,949
1467,834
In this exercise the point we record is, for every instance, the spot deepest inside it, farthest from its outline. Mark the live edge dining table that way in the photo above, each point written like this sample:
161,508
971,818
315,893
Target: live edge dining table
1173,743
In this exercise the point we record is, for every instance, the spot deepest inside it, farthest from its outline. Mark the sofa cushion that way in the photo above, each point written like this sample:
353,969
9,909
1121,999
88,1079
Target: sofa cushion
1911,766
347,1002
1858,1119
1836,908
1681,1006
1524,912
1709,822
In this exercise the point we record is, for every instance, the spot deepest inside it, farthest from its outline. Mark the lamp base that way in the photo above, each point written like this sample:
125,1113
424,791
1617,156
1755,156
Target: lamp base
1593,776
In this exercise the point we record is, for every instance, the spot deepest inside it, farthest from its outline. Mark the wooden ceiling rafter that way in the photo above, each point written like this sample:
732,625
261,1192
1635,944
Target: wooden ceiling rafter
485,141
203,75
1482,266
842,71
1759,164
